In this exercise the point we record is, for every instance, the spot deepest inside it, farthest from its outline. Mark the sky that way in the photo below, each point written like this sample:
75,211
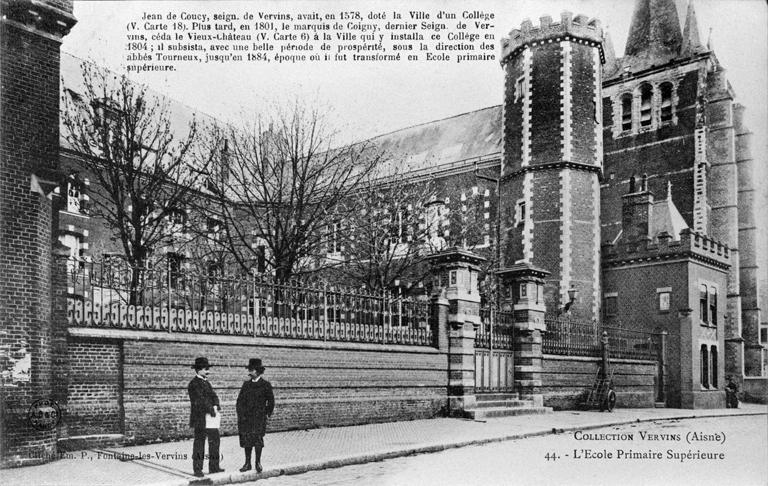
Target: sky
374,98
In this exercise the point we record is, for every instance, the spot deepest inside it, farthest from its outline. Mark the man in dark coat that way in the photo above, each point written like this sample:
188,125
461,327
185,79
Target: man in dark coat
204,401
255,403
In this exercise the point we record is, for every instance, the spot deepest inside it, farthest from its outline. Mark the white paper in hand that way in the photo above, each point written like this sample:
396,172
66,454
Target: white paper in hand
212,422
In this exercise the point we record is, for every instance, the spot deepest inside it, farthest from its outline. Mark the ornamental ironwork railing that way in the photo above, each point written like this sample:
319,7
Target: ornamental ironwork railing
570,337
629,343
496,330
111,294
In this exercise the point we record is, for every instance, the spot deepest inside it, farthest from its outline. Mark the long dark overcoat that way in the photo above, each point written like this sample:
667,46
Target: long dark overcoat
202,399
254,404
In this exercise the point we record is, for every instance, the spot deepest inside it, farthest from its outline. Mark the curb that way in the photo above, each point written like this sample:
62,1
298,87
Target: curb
380,456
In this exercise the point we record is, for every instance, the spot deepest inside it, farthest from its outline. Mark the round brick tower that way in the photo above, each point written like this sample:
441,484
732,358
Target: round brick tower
552,159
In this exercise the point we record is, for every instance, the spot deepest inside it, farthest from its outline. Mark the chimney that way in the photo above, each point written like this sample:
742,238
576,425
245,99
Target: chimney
636,211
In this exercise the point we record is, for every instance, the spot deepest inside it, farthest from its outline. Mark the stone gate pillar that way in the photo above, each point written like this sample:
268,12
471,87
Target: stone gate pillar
455,279
30,37
523,286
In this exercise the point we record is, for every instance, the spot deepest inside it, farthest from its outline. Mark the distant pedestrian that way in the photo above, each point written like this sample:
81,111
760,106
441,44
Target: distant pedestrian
254,404
732,393
204,402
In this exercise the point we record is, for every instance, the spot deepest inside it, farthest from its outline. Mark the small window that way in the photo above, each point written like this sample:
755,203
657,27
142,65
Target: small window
713,306
626,112
213,226
664,301
520,213
713,357
177,216
666,102
521,88
704,366
611,305
523,290
646,105
453,277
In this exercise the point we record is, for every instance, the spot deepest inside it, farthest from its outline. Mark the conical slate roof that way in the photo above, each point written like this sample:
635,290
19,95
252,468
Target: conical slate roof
691,42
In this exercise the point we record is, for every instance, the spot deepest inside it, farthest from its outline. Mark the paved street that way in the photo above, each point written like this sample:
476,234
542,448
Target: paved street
526,461
290,454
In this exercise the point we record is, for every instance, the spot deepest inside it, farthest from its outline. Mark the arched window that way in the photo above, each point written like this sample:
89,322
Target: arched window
646,105
713,306
704,366
626,112
713,354
703,303
666,102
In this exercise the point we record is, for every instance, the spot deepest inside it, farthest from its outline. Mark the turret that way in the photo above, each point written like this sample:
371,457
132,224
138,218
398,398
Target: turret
553,156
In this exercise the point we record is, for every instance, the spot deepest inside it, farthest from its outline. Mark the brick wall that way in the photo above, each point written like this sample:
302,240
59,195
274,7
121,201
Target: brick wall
316,384
546,136
583,106
566,379
665,153
29,96
95,377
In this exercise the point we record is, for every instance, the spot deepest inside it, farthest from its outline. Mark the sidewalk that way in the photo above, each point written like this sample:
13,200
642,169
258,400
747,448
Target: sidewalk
295,452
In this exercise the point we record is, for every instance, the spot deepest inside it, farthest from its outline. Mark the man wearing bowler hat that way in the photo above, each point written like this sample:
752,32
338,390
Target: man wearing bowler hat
254,404
204,402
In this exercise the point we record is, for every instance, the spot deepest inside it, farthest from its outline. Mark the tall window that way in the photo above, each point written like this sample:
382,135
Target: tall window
704,366
713,356
703,303
334,245
666,102
646,105
713,306
626,112
174,268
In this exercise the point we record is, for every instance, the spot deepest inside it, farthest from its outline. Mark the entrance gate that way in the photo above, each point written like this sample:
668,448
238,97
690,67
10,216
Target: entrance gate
494,358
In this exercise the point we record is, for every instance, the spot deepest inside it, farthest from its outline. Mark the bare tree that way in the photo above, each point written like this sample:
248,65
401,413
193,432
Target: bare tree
387,237
142,164
279,181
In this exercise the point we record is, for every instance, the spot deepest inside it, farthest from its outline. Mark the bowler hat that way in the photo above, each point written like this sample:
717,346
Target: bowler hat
255,364
201,363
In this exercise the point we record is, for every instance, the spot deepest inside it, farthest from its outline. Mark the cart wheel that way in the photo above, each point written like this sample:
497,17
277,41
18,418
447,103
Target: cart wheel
610,400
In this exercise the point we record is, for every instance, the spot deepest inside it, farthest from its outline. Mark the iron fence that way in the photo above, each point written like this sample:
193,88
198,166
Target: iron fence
496,330
112,294
629,343
570,337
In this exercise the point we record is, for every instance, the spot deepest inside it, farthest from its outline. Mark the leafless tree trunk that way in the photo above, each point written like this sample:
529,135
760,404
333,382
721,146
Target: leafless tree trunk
280,181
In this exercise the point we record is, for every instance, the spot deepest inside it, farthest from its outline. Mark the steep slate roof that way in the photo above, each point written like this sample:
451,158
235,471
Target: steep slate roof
666,217
474,135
